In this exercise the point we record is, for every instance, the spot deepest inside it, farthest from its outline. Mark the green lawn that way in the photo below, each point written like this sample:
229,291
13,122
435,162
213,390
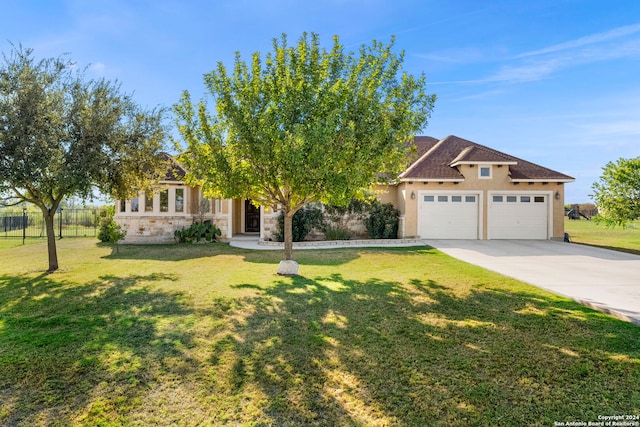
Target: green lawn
618,238
209,335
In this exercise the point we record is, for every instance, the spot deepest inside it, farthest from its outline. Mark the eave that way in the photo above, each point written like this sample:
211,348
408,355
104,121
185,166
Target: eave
560,180
432,180
485,163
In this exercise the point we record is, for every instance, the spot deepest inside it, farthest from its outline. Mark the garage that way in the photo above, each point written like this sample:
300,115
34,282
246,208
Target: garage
518,216
448,215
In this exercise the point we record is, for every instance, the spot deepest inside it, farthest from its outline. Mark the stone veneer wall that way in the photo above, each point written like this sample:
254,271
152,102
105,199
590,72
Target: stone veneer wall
270,224
160,229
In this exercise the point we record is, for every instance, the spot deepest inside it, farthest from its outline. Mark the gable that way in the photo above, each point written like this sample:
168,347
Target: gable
440,161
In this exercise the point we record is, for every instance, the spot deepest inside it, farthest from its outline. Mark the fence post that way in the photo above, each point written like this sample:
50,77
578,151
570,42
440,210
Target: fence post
24,224
60,221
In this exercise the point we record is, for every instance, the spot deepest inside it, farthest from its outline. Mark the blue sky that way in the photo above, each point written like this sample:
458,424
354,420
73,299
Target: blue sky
554,82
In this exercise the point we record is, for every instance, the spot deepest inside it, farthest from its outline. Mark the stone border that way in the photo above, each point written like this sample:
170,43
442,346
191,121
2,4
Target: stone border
345,243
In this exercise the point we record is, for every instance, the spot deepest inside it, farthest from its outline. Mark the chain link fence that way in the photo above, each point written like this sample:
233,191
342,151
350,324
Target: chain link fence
67,223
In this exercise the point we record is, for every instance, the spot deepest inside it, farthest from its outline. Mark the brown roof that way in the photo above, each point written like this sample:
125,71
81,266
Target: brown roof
175,172
424,144
440,158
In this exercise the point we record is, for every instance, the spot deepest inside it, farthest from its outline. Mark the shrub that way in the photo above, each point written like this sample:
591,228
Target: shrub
336,232
206,231
110,231
336,220
106,225
382,220
303,222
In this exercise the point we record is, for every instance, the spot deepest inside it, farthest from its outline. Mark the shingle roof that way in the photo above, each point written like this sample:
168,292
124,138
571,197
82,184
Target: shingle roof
440,158
424,144
175,172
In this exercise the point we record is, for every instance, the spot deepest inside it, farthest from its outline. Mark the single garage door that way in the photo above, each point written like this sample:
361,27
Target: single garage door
448,216
521,216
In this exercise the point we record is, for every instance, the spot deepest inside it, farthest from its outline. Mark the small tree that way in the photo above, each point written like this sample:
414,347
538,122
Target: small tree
617,194
62,135
116,233
306,125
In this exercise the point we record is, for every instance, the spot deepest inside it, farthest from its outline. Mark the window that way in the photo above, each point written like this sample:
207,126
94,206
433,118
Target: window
470,199
164,201
538,199
512,199
123,205
443,199
179,199
148,202
134,204
429,198
497,199
456,199
525,199
484,172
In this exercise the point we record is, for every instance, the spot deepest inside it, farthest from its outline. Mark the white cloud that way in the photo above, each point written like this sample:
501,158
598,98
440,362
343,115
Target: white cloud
585,41
98,68
455,56
542,63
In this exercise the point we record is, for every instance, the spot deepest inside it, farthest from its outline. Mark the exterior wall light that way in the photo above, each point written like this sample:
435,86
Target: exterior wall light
413,195
557,195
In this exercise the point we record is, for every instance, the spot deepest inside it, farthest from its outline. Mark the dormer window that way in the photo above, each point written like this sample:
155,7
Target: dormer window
484,172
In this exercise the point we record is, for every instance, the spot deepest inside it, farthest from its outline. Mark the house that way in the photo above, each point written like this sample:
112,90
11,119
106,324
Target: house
453,189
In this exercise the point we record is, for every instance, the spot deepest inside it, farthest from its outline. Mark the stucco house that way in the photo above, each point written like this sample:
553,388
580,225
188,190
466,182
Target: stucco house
454,189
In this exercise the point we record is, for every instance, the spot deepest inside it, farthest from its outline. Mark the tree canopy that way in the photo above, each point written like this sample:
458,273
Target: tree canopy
62,135
303,125
617,193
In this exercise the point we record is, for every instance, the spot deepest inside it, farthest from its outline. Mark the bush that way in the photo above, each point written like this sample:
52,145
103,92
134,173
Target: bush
206,231
336,232
303,222
104,228
116,233
110,231
382,221
337,218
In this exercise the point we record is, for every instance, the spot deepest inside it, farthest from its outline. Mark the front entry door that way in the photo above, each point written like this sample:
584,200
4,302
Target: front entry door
251,217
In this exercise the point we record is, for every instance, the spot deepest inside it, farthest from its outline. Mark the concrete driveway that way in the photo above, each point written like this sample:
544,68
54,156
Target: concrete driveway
605,280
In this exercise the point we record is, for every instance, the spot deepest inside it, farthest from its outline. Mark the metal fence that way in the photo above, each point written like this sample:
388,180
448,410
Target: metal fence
67,223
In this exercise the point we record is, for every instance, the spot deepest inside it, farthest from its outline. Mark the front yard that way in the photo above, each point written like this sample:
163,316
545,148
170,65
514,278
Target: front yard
209,335
618,238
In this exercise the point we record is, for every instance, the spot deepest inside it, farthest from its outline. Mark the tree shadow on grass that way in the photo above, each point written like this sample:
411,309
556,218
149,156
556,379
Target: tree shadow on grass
326,350
334,351
75,353
180,252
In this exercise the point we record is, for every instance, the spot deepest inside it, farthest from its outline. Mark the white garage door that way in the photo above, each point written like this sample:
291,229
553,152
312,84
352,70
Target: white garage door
521,216
448,216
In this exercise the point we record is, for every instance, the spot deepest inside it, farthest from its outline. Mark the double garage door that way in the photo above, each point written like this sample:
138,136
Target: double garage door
457,216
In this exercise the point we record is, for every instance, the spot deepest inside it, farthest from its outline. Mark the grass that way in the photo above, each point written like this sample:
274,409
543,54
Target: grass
12,242
208,335
618,238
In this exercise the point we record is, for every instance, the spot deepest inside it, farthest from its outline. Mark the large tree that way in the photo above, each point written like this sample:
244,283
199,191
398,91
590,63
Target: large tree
617,193
63,135
306,125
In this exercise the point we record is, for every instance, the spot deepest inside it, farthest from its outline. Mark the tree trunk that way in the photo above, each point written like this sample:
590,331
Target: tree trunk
288,235
51,239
